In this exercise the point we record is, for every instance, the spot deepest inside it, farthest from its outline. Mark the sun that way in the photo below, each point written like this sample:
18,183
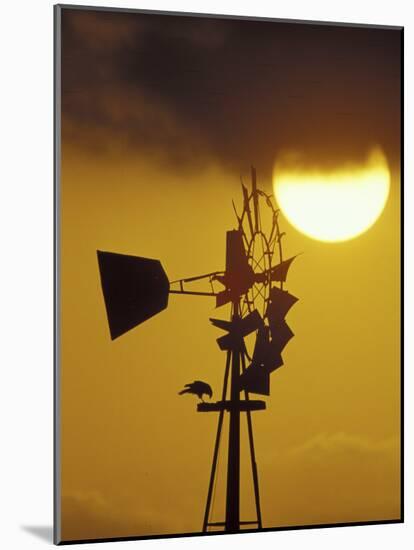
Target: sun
335,205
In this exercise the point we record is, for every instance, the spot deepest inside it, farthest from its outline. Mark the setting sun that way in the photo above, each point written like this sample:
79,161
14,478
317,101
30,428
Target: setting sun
335,205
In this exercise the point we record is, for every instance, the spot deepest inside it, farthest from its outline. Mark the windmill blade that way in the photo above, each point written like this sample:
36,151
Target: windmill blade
239,218
236,258
261,345
266,352
134,290
274,361
239,275
278,273
221,323
247,208
238,330
281,334
280,302
255,379
224,297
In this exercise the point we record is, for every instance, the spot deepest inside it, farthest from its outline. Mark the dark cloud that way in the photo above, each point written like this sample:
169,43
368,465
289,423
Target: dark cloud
193,89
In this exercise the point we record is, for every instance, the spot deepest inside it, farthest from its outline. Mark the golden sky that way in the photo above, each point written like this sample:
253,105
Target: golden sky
136,456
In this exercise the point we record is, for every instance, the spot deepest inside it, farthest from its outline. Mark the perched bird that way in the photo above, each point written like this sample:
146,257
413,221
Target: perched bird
198,388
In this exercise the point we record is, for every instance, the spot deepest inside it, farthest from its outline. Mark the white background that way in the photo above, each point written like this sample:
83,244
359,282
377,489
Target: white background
26,235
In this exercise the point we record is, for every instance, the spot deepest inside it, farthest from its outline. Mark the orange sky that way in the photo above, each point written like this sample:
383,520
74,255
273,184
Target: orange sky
136,456
328,444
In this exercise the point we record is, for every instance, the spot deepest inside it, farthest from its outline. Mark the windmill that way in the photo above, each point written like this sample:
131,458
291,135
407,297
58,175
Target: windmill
252,284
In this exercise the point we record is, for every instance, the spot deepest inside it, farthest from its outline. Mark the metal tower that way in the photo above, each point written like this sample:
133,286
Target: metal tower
252,283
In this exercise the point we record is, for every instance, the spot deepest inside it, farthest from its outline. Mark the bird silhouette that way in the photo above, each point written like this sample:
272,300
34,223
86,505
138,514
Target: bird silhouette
198,388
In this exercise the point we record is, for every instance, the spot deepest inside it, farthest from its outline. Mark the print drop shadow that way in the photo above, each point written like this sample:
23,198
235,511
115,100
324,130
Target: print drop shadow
44,532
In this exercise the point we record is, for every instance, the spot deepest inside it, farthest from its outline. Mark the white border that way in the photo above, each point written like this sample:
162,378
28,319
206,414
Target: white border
26,270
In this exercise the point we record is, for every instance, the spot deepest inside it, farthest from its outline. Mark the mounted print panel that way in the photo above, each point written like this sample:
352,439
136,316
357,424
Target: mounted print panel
228,274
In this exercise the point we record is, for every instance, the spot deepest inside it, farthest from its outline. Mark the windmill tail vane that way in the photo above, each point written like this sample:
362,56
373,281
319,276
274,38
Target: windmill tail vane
135,289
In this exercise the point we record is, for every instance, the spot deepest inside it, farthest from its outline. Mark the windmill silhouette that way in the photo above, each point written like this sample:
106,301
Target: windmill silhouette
252,283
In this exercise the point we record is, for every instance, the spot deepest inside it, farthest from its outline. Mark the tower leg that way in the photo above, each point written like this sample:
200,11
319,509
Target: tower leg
234,363
233,467
216,447
253,457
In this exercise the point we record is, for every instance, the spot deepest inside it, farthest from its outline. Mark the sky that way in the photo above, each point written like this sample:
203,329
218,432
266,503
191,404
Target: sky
160,117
